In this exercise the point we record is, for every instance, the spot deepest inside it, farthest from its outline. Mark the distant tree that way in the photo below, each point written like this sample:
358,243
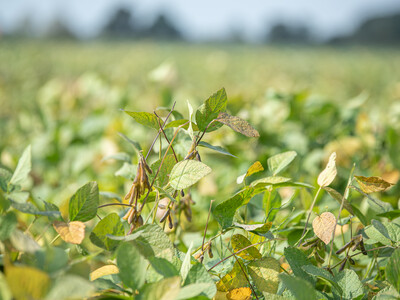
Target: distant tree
120,25
374,31
57,29
162,28
281,33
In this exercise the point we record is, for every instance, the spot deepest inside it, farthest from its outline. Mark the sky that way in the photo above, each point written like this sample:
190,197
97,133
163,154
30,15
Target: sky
204,19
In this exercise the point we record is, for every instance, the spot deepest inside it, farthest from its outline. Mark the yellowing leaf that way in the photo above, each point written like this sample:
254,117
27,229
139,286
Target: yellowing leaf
233,279
372,184
324,225
239,242
27,282
264,273
103,271
72,232
254,168
326,177
243,293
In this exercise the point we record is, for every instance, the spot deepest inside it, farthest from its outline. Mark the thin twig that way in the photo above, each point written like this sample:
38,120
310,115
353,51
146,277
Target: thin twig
205,230
159,168
203,133
309,214
162,129
159,131
112,204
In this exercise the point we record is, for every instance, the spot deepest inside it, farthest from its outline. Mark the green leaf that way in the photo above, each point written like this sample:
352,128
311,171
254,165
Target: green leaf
51,259
300,288
29,208
163,267
259,229
132,266
393,269
297,260
198,274
322,273
271,180
111,224
216,148
210,110
70,287
280,161
135,144
192,290
186,265
393,230
127,171
163,175
225,211
122,156
338,197
165,289
150,240
145,118
83,204
264,273
359,215
350,284
375,236
5,176
237,124
8,223
388,293
391,215
239,242
23,168
111,196
186,173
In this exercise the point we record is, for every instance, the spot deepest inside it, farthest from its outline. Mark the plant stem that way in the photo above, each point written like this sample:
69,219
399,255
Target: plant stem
165,136
112,204
205,230
309,215
55,239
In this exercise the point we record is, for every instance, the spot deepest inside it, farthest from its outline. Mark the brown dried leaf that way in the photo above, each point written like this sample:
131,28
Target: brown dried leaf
372,184
324,225
237,124
72,232
326,177
243,293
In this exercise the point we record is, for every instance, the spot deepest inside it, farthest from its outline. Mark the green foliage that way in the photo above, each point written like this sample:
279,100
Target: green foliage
167,240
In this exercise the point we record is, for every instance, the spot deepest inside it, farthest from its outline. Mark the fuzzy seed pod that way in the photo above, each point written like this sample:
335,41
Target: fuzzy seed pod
351,261
165,215
210,254
343,264
318,258
349,244
170,224
310,241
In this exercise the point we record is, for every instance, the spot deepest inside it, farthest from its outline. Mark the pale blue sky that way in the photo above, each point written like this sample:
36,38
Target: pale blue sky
203,19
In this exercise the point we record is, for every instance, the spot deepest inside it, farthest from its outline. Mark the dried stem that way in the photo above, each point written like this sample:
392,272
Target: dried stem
165,136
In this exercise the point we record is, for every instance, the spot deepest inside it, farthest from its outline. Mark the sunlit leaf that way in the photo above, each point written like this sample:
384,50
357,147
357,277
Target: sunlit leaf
237,124
297,259
280,161
72,232
239,242
271,180
103,271
233,279
259,229
350,284
23,242
144,118
198,274
186,173
372,184
326,177
210,110
83,204
70,287
163,175
243,293
324,225
254,168
23,168
5,293
186,265
192,290
165,289
264,273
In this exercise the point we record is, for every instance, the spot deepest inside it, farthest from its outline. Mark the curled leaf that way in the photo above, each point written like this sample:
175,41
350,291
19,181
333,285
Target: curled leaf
72,232
324,225
372,184
326,177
